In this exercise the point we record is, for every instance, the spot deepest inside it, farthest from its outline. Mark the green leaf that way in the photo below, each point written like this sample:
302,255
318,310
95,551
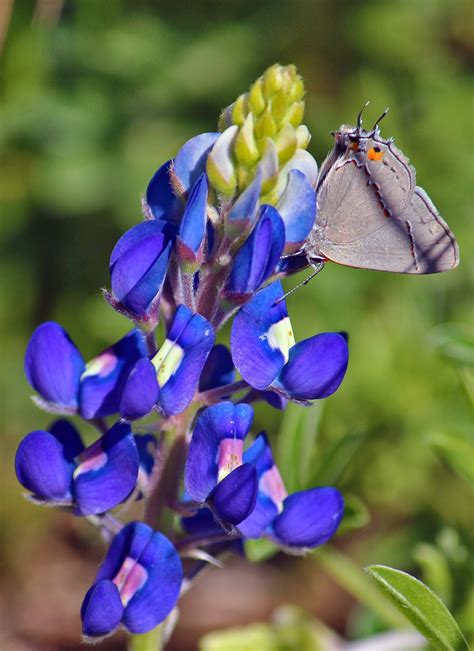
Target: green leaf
420,606
435,570
457,450
297,439
356,514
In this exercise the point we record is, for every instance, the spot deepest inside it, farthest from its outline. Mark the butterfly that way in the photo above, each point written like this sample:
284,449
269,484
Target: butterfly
370,212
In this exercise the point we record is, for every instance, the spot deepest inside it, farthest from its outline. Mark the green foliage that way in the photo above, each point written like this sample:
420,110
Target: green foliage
420,606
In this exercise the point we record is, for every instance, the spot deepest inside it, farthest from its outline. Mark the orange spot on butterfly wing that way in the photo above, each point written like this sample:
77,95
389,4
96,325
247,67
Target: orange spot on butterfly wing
375,153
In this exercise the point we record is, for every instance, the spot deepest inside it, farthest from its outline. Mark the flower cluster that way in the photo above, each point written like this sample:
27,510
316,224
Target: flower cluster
219,218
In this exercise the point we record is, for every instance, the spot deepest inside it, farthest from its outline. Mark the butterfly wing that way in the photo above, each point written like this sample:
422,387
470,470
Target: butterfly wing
355,228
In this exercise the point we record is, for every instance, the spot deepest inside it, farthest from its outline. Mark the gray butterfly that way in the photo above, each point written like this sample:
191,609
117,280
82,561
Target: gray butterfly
370,212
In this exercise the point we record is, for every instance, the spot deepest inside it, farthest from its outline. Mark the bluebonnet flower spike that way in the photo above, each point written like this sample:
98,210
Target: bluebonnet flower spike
264,351
137,585
57,469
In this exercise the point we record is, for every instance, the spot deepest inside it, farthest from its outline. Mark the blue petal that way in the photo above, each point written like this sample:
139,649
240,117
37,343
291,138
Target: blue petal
140,391
41,467
256,360
146,446
292,264
316,367
53,365
202,524
107,472
102,382
190,161
259,454
153,603
138,265
309,518
129,542
69,437
194,336
222,421
193,224
260,518
218,369
297,207
139,549
243,213
257,258
162,201
271,491
234,498
101,610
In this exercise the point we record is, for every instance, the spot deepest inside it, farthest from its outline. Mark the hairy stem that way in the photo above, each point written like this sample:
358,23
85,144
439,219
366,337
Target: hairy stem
214,395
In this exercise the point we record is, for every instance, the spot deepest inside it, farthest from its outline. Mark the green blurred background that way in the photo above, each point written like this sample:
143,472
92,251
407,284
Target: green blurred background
94,96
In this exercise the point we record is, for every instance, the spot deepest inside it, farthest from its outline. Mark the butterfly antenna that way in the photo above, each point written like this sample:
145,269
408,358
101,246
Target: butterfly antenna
359,117
377,122
317,267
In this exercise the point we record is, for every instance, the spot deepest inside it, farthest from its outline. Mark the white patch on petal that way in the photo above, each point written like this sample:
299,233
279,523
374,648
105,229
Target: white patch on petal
167,361
280,337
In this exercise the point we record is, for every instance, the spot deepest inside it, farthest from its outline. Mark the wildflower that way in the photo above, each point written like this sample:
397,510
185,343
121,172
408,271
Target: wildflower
57,468
170,379
256,260
303,519
137,585
138,266
56,370
264,351
214,473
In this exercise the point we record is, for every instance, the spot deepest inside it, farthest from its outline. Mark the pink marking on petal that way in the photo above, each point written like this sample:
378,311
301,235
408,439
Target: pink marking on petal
229,456
93,458
102,365
130,578
271,484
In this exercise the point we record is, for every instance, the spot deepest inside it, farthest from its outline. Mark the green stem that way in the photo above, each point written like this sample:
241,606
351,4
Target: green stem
152,641
352,578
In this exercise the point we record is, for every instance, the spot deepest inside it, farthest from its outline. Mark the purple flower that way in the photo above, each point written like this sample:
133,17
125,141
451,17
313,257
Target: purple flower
214,473
174,180
297,208
192,230
138,266
57,469
137,585
257,258
264,351
303,519
56,370
170,379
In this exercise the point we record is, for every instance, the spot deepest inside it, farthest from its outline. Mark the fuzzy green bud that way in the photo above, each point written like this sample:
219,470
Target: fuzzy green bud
268,133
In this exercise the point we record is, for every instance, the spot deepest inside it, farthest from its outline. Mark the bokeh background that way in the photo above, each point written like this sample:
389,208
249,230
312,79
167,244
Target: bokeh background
94,96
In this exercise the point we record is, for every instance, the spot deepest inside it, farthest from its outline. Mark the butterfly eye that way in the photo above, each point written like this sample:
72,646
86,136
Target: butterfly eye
375,153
